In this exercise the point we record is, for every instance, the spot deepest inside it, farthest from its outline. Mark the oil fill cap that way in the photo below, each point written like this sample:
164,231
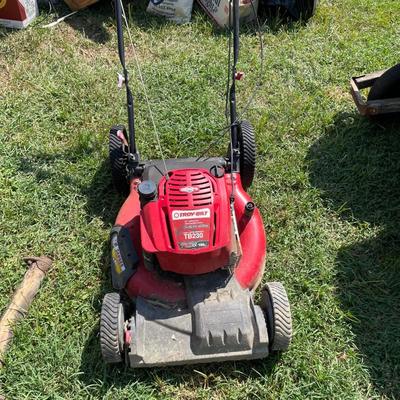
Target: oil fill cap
147,190
217,170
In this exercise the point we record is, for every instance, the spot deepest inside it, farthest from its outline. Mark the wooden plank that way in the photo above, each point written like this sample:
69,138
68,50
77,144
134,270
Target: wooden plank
384,106
365,81
22,299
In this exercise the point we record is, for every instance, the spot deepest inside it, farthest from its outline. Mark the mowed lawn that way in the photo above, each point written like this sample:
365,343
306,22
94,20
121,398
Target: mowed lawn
327,186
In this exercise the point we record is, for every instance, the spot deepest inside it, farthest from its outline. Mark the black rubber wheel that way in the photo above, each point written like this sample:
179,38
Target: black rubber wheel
387,86
304,9
112,328
247,144
118,160
276,307
247,153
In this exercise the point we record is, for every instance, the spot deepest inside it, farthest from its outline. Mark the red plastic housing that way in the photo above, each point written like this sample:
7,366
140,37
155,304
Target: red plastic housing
248,272
189,226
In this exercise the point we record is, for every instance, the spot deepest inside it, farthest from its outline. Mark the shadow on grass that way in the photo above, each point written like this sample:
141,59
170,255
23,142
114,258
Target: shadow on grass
276,19
356,166
91,22
102,199
103,202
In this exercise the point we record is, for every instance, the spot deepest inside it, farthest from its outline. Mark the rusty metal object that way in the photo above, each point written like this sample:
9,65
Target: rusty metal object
371,107
22,298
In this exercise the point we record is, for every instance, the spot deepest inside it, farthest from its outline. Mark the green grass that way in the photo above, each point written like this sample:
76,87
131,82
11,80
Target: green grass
327,186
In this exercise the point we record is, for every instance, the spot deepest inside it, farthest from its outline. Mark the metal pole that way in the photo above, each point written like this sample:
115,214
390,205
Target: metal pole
129,97
232,99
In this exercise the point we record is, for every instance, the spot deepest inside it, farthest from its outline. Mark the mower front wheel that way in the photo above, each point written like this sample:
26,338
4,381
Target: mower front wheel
247,153
112,322
276,307
247,161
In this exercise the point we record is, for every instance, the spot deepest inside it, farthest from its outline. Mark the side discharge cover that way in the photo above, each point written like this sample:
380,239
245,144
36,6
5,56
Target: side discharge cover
124,258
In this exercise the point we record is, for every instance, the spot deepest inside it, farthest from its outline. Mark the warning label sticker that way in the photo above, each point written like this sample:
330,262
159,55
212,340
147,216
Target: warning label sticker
192,228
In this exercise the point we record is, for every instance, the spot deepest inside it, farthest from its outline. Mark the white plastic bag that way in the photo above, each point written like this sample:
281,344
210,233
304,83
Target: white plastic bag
179,11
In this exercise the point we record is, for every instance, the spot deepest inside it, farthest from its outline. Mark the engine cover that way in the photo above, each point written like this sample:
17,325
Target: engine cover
188,227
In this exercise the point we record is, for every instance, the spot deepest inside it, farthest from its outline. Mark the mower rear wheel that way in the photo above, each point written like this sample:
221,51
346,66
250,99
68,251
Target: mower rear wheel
247,139
387,86
276,307
118,159
112,328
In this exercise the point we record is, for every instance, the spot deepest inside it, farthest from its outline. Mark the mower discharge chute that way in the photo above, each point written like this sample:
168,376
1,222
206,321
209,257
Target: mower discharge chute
188,251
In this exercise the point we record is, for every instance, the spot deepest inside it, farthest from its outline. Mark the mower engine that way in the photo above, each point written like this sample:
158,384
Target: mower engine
186,223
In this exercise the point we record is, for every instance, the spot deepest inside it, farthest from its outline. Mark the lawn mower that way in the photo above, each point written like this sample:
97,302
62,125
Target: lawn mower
384,95
188,251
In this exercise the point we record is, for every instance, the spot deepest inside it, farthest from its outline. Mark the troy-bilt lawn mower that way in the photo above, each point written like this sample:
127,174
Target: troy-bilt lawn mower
188,251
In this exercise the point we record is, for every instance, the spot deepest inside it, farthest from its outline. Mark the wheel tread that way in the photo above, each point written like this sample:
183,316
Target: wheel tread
109,329
275,297
247,153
